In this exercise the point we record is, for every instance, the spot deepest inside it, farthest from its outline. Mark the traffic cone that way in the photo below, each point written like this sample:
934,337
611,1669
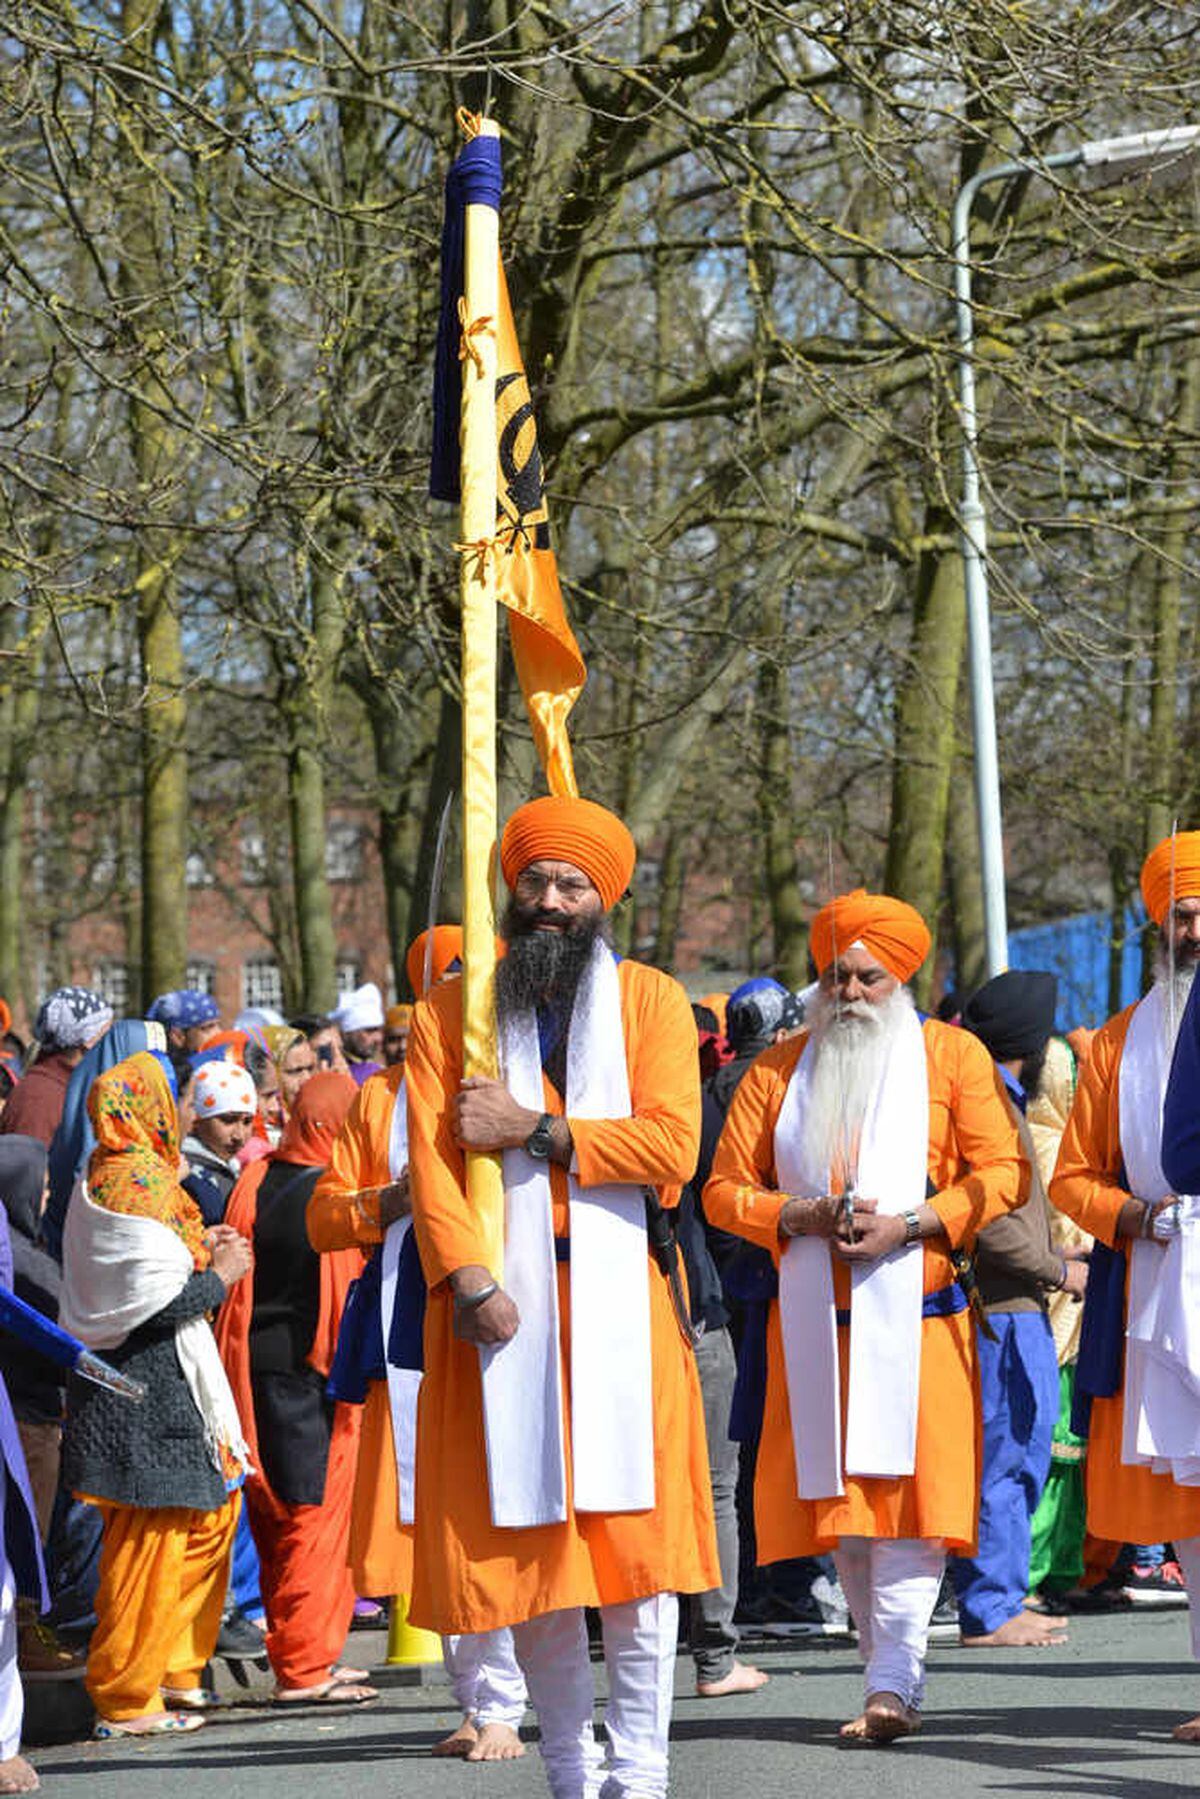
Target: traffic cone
409,1646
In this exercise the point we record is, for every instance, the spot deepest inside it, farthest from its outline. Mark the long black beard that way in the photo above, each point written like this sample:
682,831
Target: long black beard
542,968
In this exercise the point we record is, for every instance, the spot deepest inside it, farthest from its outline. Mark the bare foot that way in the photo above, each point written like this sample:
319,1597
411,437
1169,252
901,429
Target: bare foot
886,1717
740,1679
16,1776
1188,1732
460,1742
1026,1631
496,1743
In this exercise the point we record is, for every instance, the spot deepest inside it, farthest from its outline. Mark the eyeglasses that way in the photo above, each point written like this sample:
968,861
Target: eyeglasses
532,885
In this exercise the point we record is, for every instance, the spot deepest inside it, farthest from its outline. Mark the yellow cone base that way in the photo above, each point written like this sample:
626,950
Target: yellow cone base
408,1646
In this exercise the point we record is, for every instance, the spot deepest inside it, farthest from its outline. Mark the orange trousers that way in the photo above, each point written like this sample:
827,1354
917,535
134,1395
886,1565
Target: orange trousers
163,1575
304,1569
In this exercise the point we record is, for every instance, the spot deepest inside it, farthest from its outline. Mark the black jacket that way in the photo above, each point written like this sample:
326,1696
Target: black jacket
153,1454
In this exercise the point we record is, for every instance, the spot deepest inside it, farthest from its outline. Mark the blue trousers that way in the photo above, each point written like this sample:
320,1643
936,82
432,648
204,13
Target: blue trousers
1018,1379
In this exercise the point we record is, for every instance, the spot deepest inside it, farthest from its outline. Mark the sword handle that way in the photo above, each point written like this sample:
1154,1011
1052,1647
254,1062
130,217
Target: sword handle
94,1368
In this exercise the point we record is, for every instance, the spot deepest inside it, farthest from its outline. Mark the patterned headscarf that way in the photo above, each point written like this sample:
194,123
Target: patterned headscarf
280,1039
134,1168
70,1017
183,1008
221,1088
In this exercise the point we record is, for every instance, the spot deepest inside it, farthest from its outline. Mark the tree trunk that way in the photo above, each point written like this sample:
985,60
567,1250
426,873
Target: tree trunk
309,703
21,631
781,874
924,752
671,879
966,880
141,275
445,778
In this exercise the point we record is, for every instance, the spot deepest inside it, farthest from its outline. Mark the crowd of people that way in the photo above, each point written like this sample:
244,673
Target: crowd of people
810,1309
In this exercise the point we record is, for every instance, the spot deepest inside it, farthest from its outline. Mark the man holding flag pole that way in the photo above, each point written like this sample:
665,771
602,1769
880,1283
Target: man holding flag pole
553,1117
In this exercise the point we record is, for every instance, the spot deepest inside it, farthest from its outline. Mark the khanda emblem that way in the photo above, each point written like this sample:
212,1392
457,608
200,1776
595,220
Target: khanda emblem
522,502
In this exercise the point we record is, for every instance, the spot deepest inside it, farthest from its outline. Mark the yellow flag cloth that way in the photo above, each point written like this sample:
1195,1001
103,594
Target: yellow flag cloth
549,665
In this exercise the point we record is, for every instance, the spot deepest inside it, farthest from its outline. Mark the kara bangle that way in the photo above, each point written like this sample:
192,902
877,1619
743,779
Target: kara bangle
471,1302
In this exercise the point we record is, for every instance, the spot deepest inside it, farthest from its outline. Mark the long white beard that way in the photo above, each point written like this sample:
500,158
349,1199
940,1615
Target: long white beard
1176,983
850,1045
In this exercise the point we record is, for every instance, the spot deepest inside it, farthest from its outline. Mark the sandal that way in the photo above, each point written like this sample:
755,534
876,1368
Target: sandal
190,1699
330,1692
158,1724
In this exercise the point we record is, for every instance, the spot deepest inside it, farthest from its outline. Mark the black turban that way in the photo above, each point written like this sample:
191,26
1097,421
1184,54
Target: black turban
1013,1013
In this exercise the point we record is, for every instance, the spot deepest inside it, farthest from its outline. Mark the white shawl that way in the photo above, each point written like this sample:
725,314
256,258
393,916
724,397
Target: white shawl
1162,1338
403,1383
118,1273
885,1312
612,1425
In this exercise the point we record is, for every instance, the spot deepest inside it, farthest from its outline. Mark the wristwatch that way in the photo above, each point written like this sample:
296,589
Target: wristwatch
539,1141
912,1227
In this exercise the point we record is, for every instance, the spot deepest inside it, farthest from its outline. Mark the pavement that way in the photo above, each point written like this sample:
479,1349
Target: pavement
1092,1719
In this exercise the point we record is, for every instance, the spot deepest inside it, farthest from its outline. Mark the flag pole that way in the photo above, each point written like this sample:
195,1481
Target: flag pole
485,1188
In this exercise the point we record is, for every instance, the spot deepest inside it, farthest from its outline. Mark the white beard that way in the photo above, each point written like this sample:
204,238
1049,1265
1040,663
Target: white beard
1176,983
850,1045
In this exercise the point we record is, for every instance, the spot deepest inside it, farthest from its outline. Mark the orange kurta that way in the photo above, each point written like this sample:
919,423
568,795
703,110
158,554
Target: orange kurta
977,1169
344,1211
1128,1504
470,1575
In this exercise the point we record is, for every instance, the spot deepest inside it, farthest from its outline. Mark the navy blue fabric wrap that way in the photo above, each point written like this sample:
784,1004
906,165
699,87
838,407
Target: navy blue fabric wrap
1101,1334
757,1290
475,179
358,1358
1181,1108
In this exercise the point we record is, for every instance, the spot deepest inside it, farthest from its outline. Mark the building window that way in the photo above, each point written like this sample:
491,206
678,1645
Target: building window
111,981
201,977
196,871
343,850
262,984
347,977
254,857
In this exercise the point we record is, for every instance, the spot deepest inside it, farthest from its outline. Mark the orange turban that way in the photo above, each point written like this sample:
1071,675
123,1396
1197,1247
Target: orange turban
447,948
578,831
893,932
398,1018
1184,850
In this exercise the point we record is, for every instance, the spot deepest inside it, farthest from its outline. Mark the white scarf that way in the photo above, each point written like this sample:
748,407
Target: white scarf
403,1384
612,1438
885,1314
1162,1332
118,1273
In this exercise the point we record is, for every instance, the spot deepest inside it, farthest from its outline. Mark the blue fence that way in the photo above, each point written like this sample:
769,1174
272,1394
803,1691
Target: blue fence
1077,951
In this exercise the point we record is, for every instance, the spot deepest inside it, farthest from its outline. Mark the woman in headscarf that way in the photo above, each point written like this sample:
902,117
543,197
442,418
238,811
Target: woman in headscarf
141,1276
295,1062
74,1140
277,1336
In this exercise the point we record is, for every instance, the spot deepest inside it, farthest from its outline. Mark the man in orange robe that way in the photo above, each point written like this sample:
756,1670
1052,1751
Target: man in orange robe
1109,1179
870,1431
561,1457
364,1191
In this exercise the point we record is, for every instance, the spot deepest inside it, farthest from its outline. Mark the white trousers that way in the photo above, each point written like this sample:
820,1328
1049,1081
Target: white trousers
488,1684
892,1588
12,1700
639,1654
1188,1551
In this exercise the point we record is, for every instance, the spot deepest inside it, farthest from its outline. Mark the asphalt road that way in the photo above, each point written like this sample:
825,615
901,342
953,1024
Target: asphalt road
1092,1719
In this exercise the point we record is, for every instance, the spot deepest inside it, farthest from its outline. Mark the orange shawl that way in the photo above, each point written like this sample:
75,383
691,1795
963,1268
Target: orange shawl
307,1142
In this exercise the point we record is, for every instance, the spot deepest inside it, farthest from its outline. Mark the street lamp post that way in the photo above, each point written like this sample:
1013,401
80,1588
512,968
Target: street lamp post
1142,150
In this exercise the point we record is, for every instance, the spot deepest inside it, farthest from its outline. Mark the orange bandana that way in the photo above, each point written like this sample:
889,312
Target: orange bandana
447,948
889,929
589,836
1156,873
